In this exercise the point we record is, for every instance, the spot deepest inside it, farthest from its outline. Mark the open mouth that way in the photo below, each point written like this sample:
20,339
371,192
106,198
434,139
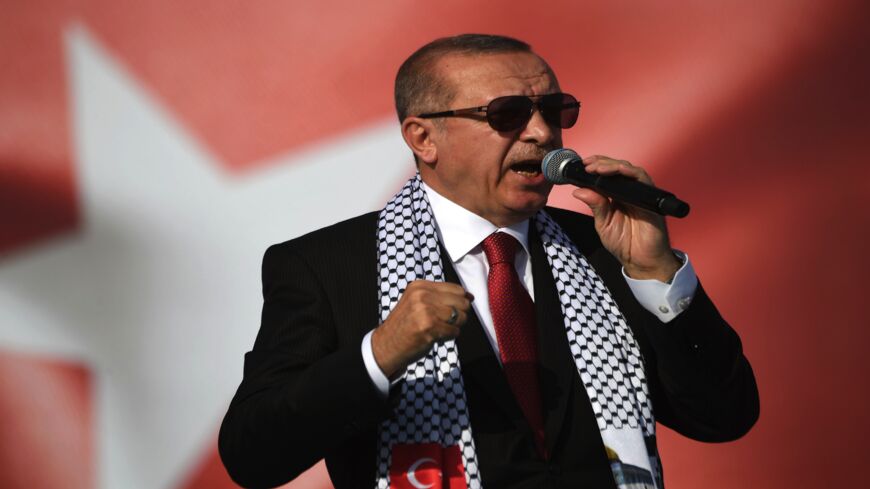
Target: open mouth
527,168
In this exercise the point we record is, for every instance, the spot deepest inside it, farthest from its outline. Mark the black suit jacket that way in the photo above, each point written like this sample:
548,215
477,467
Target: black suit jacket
306,394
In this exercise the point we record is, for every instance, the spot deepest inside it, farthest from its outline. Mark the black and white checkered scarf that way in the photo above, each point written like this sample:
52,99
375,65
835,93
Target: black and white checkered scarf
432,405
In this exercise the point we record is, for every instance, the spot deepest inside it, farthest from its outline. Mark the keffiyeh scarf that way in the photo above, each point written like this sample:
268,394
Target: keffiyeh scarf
428,441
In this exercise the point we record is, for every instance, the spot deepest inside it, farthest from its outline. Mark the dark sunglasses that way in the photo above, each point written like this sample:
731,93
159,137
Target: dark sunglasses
514,111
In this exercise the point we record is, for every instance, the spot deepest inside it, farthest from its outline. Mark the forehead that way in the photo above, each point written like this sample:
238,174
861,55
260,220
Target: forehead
480,78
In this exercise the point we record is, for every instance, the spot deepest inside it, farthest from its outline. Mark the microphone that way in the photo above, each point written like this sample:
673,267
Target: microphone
564,165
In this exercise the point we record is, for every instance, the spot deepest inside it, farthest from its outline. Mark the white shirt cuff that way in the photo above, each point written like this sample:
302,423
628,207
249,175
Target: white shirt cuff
382,383
666,301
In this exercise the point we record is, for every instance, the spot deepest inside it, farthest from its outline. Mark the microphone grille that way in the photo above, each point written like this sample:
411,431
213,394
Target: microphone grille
554,161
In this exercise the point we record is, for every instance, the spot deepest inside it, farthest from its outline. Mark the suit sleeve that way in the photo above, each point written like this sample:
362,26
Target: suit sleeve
302,395
703,386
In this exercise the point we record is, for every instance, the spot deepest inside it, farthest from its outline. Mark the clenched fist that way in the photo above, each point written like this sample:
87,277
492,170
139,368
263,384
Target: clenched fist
423,316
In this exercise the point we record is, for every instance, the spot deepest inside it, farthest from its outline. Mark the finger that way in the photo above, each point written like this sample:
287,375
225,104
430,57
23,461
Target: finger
448,288
596,160
634,172
432,285
632,211
602,165
450,294
446,332
461,303
598,204
429,292
442,287
447,313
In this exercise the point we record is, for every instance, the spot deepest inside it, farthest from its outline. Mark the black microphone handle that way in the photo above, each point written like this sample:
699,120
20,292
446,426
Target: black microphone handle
624,189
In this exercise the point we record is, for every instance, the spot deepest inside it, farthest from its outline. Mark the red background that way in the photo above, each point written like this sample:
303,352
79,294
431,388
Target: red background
756,113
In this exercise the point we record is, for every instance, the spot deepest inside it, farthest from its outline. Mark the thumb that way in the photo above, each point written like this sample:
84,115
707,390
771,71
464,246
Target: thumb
599,204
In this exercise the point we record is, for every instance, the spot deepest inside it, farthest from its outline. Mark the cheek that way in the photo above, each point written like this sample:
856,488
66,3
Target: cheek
484,165
478,158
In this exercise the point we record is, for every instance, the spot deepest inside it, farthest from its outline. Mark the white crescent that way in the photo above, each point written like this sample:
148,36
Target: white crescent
412,477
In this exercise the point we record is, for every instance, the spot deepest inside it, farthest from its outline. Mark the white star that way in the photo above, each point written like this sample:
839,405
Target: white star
159,290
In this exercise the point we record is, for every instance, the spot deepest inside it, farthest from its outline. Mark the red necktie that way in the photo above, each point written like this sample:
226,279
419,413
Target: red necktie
513,314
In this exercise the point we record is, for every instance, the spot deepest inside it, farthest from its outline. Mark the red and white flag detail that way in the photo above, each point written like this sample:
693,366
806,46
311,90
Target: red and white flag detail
426,466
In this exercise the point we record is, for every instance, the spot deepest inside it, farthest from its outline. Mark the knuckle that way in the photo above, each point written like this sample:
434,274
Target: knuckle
423,329
430,336
420,309
420,295
417,286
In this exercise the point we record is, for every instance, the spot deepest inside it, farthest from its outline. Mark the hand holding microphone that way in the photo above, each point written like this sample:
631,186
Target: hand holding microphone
635,234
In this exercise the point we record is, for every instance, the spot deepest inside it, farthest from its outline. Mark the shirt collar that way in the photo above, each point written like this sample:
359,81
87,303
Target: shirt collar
462,230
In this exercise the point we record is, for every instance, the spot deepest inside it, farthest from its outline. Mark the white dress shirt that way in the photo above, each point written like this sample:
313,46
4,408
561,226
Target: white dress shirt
461,232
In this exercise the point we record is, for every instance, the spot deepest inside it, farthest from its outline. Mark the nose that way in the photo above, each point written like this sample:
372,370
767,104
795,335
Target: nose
538,131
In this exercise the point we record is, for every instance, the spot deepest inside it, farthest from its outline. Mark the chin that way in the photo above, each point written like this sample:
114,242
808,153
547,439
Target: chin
533,200
529,207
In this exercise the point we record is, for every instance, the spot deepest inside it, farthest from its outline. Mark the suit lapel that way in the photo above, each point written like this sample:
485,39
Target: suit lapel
557,365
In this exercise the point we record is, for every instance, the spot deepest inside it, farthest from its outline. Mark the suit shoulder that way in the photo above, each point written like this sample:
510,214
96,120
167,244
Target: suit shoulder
336,257
570,218
337,239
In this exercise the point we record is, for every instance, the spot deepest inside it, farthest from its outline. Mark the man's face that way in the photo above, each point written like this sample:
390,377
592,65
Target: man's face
493,174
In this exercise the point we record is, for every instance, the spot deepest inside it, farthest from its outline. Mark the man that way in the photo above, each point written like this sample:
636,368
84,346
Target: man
463,335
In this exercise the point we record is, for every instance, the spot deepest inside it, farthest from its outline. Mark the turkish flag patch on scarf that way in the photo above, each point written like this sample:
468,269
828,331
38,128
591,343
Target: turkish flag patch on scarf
426,466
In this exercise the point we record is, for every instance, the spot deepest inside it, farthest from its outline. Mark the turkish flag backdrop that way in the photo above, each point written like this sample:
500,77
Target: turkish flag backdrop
150,152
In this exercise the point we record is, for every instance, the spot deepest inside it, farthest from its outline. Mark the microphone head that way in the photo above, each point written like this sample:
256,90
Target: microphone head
554,162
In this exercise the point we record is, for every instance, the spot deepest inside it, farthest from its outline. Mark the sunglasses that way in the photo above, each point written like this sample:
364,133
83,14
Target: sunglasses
514,111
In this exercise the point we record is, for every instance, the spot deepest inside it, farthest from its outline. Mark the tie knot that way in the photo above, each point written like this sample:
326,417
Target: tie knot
500,248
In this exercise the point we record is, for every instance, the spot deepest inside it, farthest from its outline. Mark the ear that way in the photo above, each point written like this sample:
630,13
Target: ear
418,134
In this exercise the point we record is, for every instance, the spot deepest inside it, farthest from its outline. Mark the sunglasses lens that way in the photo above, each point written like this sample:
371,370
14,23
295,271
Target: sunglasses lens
560,109
509,113
514,111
